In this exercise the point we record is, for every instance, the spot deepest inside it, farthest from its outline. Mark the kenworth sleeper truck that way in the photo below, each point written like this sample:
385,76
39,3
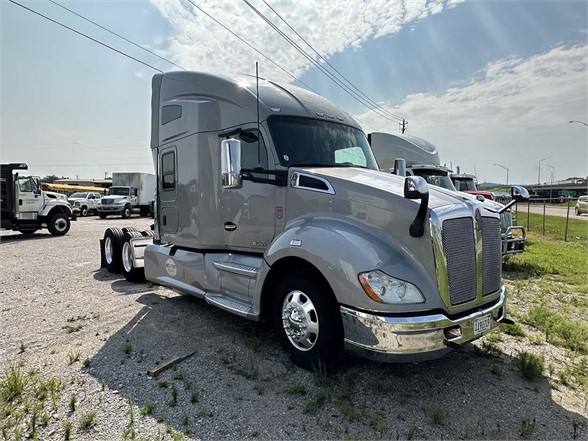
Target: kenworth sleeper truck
270,205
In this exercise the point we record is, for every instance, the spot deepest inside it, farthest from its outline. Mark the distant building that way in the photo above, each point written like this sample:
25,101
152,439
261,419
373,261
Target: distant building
102,183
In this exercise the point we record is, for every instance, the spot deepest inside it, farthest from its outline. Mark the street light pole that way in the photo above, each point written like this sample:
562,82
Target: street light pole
580,122
506,168
539,171
552,172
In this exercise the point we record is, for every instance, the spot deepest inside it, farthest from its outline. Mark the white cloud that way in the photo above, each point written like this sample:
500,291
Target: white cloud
198,43
515,111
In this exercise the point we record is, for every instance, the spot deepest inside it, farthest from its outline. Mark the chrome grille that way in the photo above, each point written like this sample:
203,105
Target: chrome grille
460,251
491,255
505,220
107,201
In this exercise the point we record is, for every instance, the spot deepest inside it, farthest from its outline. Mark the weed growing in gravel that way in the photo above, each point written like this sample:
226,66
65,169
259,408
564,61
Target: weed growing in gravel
559,329
163,384
88,420
576,375
174,400
131,410
73,357
186,419
67,426
488,349
86,362
13,384
72,403
317,401
438,415
253,342
320,374
70,329
493,337
194,396
127,348
259,389
204,412
296,389
515,330
22,348
129,433
250,372
147,409
530,365
378,422
527,427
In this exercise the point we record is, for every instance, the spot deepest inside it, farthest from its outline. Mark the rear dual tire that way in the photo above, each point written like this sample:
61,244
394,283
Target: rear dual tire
131,273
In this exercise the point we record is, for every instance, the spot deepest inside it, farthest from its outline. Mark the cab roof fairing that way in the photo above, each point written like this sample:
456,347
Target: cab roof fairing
241,90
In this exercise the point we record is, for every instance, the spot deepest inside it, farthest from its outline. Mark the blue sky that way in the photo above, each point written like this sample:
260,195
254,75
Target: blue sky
486,81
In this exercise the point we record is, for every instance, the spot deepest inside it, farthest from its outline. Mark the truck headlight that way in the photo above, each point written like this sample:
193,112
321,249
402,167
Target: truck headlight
382,288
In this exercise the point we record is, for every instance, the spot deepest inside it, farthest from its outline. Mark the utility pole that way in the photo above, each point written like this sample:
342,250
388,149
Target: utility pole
403,125
539,170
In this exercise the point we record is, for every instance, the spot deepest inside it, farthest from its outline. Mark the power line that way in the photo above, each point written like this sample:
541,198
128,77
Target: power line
329,64
114,33
250,45
316,64
87,36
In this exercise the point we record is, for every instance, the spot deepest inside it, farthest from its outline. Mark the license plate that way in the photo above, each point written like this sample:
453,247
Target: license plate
482,324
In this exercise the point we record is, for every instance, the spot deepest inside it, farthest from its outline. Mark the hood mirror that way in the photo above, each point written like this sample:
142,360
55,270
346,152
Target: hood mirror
399,167
519,193
415,187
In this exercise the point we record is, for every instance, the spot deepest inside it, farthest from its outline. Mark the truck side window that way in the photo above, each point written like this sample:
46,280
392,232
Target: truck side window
168,171
25,185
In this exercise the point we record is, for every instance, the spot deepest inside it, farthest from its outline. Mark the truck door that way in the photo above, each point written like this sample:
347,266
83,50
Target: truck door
249,213
29,197
168,191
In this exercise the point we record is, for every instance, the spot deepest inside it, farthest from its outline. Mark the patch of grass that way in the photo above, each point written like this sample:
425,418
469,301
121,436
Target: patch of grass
163,384
13,384
494,337
320,374
530,365
67,426
147,409
88,420
296,389
378,422
22,348
317,401
438,415
560,329
174,400
86,362
488,349
495,370
575,375
253,342
204,411
515,330
127,348
73,357
73,328
194,396
72,403
131,410
250,372
259,389
527,428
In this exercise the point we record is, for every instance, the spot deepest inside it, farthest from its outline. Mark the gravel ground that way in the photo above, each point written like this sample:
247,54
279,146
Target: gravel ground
62,317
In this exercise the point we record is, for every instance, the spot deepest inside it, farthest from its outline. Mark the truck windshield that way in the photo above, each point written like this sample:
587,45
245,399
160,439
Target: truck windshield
311,142
118,191
79,195
436,179
467,185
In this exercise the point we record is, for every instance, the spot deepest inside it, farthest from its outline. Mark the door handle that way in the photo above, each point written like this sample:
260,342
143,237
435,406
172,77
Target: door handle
164,219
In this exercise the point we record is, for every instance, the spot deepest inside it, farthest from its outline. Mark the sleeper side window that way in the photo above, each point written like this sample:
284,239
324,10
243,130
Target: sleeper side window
168,171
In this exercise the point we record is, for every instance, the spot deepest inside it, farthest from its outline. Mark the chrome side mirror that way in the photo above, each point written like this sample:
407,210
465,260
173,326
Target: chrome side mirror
415,187
231,163
400,167
519,193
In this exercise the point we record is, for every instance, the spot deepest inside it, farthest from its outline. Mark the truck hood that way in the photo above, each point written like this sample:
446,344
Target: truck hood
367,184
114,198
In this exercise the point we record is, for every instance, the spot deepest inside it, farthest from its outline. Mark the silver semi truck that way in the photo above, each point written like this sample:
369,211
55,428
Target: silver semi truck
270,205
422,159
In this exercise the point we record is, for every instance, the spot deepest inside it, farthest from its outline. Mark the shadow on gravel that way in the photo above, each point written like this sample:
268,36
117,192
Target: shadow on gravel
16,238
240,384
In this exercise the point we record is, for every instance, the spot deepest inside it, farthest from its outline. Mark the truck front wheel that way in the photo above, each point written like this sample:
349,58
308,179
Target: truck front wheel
307,321
84,211
126,213
102,215
58,224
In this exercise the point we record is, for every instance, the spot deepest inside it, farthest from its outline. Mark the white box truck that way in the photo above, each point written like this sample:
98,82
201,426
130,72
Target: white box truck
130,193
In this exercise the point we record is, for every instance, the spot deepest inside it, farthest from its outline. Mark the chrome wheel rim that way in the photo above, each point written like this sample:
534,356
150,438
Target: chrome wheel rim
127,257
108,250
300,320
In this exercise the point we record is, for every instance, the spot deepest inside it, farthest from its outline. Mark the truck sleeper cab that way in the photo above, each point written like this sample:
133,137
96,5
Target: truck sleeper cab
288,219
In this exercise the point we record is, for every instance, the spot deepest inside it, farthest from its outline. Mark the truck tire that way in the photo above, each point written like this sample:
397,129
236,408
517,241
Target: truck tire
148,233
144,211
131,273
113,238
127,211
58,224
307,321
125,229
83,211
577,211
28,232
102,215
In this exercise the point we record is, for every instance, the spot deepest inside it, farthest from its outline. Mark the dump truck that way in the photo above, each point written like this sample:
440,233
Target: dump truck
27,208
131,192
270,205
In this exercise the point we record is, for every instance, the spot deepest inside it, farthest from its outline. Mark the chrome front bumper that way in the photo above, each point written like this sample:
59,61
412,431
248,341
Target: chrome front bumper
512,244
407,339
